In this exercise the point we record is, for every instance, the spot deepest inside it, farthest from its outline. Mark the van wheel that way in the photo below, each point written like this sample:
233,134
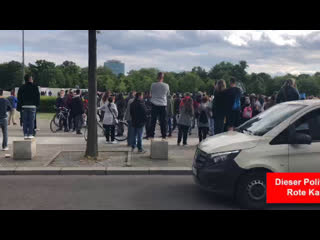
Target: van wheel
252,190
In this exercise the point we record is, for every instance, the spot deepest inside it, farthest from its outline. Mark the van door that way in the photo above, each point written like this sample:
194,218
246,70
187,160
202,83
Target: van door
304,157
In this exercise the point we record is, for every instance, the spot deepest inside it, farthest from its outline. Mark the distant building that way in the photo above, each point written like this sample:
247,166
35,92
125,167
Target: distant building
115,66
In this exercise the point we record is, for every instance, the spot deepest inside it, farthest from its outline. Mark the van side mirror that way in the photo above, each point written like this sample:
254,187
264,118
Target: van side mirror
301,138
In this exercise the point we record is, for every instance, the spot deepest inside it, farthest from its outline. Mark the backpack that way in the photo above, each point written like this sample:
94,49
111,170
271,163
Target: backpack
236,104
203,117
247,112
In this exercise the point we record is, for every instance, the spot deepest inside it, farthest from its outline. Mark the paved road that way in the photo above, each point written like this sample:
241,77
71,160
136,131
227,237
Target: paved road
112,192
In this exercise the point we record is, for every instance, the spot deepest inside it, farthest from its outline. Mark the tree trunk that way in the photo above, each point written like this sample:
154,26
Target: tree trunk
92,142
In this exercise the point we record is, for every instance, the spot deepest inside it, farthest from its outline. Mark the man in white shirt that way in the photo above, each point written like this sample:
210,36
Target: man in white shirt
159,92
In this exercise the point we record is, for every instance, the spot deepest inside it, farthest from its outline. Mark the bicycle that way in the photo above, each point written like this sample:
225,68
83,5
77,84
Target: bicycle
56,123
121,129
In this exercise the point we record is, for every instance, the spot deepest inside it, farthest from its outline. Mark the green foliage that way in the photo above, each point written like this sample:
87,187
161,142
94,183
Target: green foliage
68,75
308,85
10,75
47,104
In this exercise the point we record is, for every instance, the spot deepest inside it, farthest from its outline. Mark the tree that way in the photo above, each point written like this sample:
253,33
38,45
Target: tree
10,75
92,142
43,73
190,82
106,80
71,74
201,72
256,84
308,85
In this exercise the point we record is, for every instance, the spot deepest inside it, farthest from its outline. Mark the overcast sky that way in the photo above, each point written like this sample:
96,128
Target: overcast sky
274,52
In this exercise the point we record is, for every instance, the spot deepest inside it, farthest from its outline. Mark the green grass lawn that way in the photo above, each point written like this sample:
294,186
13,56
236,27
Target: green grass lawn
45,116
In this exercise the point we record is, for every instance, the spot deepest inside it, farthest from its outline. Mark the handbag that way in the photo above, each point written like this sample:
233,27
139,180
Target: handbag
114,118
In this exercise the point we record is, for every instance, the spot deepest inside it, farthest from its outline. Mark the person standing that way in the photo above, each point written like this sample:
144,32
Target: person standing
176,104
110,119
5,106
159,92
28,102
185,119
148,104
256,106
132,95
211,119
138,115
121,106
170,114
247,111
128,119
13,101
196,103
219,106
271,102
60,103
233,95
203,119
68,100
288,92
77,111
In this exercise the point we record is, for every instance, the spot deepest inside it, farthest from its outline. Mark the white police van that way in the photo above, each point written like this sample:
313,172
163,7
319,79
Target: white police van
284,138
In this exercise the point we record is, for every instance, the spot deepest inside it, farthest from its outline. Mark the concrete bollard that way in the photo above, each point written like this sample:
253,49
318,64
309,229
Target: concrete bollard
24,149
159,150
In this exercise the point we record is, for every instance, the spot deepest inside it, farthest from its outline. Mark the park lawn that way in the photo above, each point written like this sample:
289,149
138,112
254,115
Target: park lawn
45,116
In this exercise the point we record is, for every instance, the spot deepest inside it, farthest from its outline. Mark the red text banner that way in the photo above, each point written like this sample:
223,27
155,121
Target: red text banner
293,187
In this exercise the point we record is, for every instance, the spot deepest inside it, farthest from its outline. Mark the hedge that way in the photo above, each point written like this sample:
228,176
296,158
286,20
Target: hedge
47,104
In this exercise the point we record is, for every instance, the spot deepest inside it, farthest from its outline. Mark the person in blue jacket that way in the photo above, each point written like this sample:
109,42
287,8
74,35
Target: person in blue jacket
13,101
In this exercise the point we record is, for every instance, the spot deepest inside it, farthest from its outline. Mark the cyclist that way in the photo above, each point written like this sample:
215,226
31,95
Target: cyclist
61,106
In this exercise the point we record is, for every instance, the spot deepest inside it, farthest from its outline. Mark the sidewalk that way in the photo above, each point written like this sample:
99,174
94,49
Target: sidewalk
63,153
68,159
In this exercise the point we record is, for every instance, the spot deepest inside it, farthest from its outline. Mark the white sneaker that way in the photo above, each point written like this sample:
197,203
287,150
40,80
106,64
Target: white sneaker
31,137
107,142
5,149
114,142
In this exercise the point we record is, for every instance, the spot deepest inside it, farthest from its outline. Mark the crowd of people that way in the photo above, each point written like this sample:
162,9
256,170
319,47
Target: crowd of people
225,110
74,105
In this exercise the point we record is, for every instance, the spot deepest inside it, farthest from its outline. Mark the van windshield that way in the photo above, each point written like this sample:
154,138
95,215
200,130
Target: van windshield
267,120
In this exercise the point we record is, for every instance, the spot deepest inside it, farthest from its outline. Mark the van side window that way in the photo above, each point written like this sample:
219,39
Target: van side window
309,124
282,138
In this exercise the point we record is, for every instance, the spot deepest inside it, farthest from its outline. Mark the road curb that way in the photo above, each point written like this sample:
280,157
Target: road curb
95,171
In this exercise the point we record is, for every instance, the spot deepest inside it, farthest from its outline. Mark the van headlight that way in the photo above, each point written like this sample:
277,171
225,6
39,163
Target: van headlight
216,158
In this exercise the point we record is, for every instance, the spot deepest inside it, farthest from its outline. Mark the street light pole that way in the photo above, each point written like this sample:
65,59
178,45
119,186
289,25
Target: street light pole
22,56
